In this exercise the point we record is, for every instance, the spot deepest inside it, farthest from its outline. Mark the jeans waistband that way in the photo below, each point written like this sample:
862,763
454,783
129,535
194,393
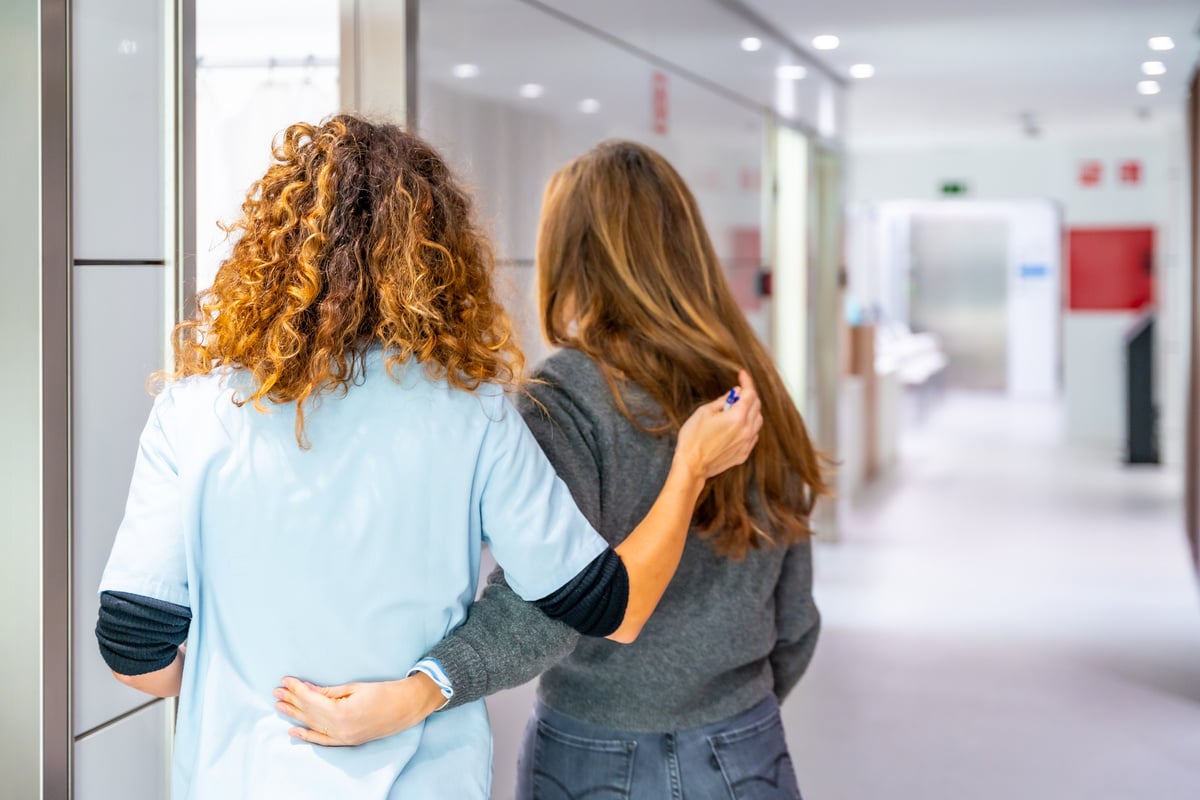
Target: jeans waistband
573,725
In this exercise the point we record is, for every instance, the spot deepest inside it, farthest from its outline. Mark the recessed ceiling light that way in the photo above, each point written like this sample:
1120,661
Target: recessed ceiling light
862,71
1162,43
826,41
790,72
751,44
1148,87
1154,68
532,91
589,106
465,70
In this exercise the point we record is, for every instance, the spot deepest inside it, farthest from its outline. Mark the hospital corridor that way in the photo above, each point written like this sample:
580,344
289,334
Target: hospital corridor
625,400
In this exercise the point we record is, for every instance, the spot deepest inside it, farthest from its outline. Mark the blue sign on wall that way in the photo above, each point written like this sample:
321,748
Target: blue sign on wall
1034,271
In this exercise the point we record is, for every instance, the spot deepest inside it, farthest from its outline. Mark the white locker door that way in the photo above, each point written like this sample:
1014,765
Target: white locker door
118,334
126,760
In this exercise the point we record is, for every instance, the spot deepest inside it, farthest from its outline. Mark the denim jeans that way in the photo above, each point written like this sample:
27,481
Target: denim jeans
744,757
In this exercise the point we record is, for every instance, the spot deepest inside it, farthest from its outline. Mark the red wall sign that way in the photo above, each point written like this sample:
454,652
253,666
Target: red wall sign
1129,172
1111,269
659,83
1091,172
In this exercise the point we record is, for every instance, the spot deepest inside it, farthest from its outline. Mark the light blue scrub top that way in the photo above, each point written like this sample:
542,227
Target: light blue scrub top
345,562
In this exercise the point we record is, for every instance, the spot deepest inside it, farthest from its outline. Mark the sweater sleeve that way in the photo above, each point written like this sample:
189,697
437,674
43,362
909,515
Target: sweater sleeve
505,641
140,634
796,619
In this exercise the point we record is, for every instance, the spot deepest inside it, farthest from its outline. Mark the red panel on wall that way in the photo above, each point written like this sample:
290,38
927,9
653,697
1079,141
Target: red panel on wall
742,271
1111,269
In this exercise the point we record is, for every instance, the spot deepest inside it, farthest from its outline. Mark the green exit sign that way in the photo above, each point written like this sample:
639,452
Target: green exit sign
953,188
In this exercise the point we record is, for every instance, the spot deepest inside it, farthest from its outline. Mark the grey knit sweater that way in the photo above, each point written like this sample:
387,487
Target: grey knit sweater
725,634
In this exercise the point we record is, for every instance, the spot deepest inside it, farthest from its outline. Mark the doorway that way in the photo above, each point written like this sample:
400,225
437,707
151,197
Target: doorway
959,293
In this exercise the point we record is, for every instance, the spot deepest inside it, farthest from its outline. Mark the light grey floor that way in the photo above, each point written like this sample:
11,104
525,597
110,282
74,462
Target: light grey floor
1004,617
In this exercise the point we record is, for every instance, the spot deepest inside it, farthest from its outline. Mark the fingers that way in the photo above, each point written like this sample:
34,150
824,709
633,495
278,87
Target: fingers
748,390
292,712
331,692
313,737
746,380
747,394
300,701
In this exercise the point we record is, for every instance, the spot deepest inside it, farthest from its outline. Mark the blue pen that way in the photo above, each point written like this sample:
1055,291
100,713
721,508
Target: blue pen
731,399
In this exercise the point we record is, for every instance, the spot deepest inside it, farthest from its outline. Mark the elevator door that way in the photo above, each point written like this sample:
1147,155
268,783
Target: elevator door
959,292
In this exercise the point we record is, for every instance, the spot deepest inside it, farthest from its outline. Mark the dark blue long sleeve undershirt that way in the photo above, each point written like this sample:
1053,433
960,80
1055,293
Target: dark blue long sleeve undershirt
138,634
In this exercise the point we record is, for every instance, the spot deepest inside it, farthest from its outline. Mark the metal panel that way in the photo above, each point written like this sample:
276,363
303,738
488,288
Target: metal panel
128,760
960,291
22,99
55,387
119,137
1192,475
117,341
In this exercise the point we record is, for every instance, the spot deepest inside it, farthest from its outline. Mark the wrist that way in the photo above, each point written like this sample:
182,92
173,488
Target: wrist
430,696
687,474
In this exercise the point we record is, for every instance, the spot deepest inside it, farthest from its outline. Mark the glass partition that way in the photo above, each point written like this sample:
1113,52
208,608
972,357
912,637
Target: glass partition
511,93
260,67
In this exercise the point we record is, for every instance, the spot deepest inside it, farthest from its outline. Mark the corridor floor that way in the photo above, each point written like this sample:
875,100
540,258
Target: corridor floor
1005,617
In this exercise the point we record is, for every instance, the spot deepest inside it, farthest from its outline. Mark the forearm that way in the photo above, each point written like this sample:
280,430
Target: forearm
652,550
503,643
798,621
164,682
788,663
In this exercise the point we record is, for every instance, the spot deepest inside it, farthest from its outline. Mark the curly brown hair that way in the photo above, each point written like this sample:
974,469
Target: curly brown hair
358,234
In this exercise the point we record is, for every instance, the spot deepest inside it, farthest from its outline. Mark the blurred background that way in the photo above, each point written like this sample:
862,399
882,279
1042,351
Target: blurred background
966,231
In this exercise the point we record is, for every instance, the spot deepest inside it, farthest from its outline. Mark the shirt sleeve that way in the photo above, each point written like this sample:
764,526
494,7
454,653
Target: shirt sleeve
148,556
528,517
504,641
796,619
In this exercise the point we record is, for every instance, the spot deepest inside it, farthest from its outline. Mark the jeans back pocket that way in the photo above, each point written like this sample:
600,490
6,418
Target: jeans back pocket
755,763
569,767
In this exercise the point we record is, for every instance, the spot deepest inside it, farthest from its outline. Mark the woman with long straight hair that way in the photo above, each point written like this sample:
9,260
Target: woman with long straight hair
315,481
631,289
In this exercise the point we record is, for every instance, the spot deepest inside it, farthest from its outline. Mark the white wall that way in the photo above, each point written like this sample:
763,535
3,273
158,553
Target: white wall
20,460
1047,168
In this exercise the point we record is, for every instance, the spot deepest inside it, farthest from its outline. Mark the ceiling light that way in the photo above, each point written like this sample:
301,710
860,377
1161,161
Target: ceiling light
1148,87
751,44
1162,43
465,70
589,106
1153,68
532,91
790,72
826,41
862,71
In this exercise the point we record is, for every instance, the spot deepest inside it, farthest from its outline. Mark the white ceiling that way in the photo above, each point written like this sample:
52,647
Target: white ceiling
957,70
947,71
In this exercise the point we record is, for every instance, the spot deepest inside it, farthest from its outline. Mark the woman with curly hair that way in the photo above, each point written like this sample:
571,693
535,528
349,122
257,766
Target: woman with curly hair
317,476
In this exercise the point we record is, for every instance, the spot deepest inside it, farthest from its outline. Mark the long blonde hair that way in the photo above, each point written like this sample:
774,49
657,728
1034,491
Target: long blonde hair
628,275
358,234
